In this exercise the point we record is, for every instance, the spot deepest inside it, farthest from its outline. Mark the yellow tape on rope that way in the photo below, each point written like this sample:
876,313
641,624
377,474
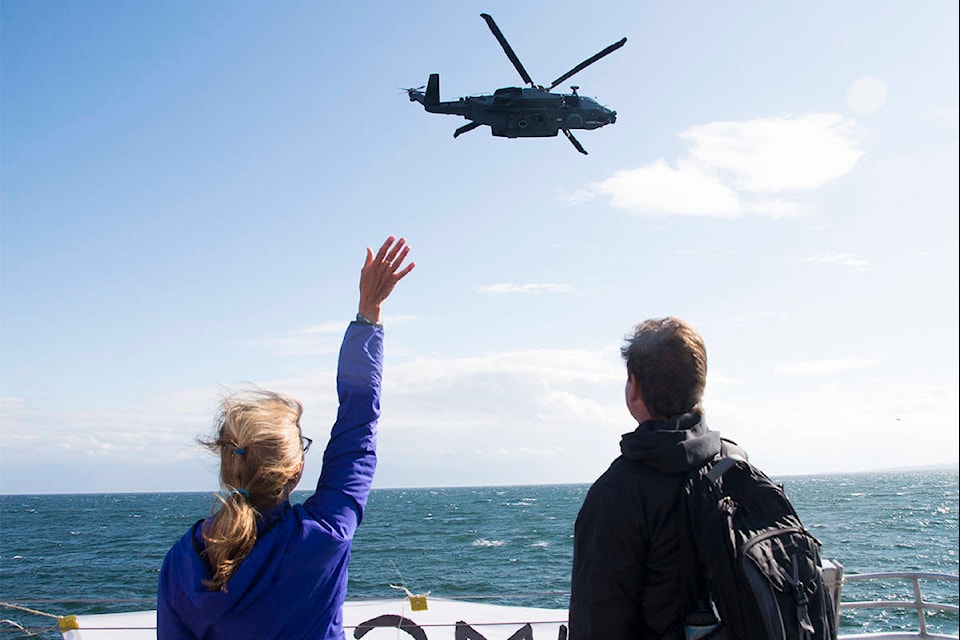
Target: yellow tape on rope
68,623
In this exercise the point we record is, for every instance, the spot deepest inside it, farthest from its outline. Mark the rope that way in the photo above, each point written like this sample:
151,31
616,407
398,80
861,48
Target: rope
69,621
153,601
34,632
73,600
28,610
22,631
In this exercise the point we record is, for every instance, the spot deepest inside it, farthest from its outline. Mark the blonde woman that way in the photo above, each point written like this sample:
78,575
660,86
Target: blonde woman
259,567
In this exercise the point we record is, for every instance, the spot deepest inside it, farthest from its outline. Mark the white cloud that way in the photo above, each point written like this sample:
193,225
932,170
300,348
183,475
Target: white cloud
315,340
578,196
829,366
503,401
533,416
510,287
492,377
318,339
660,189
546,415
745,318
777,208
845,259
853,423
732,167
159,429
867,95
775,154
948,118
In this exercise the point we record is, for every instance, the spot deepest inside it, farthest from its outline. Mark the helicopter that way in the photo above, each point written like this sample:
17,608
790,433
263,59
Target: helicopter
523,112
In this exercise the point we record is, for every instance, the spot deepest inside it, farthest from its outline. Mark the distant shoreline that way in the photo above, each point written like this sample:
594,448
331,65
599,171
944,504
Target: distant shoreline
943,467
946,466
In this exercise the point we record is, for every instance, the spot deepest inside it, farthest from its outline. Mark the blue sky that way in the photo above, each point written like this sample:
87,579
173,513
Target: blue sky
188,189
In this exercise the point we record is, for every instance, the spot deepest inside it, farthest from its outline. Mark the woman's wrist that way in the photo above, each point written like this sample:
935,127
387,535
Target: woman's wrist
369,311
362,319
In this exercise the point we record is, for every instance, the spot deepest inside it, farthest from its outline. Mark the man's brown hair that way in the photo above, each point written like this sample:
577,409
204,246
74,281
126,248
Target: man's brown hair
668,360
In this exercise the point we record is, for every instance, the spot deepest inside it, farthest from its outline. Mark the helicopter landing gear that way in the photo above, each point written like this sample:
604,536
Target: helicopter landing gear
574,141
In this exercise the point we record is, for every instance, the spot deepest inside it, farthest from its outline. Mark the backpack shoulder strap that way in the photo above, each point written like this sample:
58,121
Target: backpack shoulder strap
722,467
729,448
730,454
693,580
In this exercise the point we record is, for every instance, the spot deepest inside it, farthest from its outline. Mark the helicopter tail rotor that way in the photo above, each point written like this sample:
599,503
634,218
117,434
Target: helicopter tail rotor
589,61
574,141
414,92
432,97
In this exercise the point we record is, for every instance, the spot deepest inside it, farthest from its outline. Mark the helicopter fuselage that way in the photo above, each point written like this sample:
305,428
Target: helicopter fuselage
524,112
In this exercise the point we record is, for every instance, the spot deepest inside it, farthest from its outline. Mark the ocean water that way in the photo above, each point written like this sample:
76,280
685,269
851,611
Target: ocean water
76,554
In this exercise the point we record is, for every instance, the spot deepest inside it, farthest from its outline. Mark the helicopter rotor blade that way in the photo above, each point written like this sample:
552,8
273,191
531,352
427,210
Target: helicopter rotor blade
467,127
574,141
507,49
589,61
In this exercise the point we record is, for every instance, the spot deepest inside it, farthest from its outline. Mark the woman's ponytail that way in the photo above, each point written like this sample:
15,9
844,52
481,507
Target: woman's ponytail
258,438
229,535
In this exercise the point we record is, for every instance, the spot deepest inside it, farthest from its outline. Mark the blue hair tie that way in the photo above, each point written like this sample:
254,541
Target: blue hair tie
243,492
239,451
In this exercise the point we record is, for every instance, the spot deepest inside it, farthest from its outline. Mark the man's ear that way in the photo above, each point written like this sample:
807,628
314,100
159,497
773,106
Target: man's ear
635,402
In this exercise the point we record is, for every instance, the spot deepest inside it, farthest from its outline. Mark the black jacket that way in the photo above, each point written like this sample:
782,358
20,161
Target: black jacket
627,565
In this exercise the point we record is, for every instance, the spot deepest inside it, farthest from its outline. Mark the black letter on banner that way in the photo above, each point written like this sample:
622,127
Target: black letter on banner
466,632
390,620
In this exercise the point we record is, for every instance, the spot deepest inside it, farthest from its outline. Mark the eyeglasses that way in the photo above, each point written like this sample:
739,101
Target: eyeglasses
306,442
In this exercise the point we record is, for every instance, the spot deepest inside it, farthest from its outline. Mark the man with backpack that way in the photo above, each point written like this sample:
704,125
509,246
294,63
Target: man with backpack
681,538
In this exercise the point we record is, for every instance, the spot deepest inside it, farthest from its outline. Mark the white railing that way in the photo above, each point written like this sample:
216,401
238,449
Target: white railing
920,606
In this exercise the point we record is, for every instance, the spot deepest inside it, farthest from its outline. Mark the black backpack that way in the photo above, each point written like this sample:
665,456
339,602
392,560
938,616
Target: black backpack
759,565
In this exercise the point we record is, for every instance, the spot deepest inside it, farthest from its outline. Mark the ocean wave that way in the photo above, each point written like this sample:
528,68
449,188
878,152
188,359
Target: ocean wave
483,542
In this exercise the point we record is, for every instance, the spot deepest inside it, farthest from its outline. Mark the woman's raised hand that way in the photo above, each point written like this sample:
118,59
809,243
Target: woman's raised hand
380,274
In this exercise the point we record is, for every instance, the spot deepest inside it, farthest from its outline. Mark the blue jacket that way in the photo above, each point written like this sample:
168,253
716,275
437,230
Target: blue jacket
293,583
